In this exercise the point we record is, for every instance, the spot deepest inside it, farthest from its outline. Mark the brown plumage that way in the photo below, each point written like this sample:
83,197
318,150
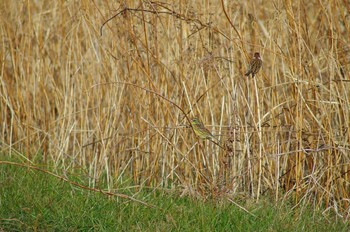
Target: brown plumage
254,65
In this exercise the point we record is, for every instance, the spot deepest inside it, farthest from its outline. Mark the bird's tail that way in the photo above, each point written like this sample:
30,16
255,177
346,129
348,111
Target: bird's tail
216,142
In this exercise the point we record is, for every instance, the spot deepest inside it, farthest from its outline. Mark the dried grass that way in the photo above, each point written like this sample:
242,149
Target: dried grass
115,104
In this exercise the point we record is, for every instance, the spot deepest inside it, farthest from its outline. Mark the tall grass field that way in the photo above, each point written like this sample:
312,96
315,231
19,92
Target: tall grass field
104,92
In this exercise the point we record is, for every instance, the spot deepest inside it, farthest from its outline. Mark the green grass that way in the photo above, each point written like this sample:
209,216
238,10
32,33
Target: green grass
35,201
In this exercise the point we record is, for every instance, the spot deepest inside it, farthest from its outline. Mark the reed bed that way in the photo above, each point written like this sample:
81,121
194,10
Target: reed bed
108,88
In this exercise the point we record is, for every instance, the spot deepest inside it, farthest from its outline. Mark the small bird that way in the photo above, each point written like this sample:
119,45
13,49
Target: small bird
254,65
200,130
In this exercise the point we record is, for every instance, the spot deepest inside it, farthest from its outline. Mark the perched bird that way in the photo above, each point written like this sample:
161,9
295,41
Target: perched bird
254,65
200,130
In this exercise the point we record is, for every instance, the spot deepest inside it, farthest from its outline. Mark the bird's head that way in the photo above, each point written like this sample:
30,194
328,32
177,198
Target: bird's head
195,121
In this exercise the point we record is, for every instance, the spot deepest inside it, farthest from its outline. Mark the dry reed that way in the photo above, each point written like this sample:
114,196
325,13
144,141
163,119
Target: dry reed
112,97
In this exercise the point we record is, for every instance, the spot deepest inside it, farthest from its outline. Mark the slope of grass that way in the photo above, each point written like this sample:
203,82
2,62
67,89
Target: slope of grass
32,200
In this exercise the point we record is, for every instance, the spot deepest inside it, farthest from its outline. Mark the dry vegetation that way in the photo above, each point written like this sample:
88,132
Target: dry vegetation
116,104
